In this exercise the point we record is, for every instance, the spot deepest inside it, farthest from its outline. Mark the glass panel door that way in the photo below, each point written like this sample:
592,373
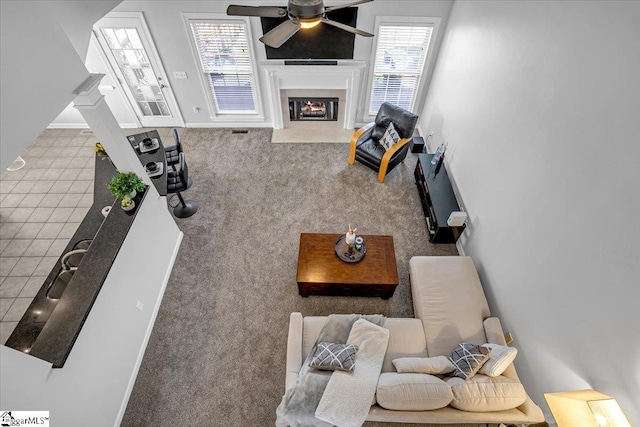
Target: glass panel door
133,62
127,46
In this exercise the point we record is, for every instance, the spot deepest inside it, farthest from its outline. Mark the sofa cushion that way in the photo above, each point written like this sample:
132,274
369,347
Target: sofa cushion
377,133
331,356
500,358
412,392
424,365
404,121
486,394
371,151
468,359
406,338
449,299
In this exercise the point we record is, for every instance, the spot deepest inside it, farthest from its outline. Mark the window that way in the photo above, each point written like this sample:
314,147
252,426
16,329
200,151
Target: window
223,50
400,57
133,62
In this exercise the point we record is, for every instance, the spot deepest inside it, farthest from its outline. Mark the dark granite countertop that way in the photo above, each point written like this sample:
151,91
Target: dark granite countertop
49,327
155,155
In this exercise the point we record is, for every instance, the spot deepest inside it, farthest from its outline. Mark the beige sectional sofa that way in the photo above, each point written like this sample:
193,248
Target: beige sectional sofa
450,307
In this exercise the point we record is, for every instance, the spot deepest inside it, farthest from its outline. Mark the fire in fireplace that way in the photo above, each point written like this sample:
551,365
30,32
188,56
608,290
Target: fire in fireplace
301,109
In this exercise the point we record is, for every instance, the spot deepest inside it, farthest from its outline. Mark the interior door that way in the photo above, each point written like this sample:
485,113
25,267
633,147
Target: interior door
129,49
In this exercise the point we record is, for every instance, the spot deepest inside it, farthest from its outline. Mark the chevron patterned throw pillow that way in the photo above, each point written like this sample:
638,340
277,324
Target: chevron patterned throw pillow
329,357
390,137
468,359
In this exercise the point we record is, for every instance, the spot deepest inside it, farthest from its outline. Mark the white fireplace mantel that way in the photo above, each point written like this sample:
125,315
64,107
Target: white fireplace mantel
347,75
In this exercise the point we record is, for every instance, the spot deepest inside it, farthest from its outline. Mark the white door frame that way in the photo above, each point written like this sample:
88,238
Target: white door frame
112,75
136,19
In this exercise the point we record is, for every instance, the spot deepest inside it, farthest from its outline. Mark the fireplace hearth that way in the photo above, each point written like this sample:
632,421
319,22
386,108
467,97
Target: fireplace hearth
313,109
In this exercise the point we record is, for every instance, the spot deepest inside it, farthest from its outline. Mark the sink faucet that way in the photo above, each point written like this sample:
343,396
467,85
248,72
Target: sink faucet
65,258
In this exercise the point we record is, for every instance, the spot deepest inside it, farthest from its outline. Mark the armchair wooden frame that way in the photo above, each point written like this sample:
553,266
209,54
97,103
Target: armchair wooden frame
384,164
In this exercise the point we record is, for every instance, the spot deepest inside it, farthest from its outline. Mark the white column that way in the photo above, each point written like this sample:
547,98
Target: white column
91,104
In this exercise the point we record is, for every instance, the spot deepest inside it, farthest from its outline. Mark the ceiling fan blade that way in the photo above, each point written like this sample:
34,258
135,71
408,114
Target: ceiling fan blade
280,34
346,27
265,11
342,6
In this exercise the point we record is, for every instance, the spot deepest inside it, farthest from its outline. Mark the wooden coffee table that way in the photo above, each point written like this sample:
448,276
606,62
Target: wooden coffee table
320,272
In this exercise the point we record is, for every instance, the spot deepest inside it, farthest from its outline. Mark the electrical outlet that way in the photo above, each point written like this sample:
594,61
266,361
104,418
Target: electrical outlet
140,305
196,109
179,75
431,133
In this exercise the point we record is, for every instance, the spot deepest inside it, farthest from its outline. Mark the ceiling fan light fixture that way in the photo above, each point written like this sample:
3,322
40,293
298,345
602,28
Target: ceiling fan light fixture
300,13
310,23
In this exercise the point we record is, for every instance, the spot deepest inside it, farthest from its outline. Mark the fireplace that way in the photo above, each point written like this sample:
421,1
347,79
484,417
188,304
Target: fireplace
313,109
340,81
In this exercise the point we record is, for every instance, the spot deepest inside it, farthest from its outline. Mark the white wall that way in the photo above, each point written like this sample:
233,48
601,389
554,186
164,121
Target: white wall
39,70
94,385
77,18
70,117
172,41
540,105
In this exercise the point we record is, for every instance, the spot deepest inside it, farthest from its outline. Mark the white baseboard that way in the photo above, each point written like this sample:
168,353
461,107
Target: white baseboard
228,125
147,335
68,126
549,419
86,126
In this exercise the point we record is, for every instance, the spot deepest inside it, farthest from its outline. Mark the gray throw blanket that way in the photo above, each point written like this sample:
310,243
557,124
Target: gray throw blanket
299,403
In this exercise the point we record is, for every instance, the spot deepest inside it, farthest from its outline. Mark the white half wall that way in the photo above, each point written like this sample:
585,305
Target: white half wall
540,105
94,385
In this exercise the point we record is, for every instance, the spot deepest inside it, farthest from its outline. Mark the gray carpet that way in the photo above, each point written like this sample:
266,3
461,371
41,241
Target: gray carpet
216,356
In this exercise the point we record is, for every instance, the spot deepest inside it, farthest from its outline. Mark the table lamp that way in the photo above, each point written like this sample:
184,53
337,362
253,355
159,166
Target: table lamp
585,408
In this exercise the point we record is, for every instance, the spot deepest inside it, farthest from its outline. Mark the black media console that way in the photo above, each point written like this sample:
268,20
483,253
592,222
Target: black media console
437,199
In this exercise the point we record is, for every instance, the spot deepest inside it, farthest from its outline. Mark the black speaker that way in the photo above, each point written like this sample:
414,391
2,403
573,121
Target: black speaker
417,144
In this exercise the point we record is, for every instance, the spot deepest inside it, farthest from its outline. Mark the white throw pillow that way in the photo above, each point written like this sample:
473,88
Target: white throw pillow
500,358
424,365
486,394
390,137
412,392
389,357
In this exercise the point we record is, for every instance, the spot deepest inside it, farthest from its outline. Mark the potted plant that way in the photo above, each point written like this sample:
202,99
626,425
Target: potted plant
99,149
126,186
127,203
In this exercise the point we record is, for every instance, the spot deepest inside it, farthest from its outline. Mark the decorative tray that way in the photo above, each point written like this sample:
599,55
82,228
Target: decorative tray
342,251
159,170
155,144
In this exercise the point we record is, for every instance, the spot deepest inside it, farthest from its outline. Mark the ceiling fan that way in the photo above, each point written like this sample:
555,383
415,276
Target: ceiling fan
301,14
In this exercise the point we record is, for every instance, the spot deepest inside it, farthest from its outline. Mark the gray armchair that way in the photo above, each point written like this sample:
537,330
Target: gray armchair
366,149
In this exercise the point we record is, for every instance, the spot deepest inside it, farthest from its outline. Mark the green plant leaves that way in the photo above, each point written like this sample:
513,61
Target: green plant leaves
123,184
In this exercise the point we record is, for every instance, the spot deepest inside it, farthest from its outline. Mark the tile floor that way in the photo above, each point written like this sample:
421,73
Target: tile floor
41,206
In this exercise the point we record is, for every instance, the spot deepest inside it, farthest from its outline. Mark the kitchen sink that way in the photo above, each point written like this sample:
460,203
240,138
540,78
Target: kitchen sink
69,263
59,284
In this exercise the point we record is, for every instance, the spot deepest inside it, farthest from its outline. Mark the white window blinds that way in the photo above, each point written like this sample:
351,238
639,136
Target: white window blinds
223,49
399,62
